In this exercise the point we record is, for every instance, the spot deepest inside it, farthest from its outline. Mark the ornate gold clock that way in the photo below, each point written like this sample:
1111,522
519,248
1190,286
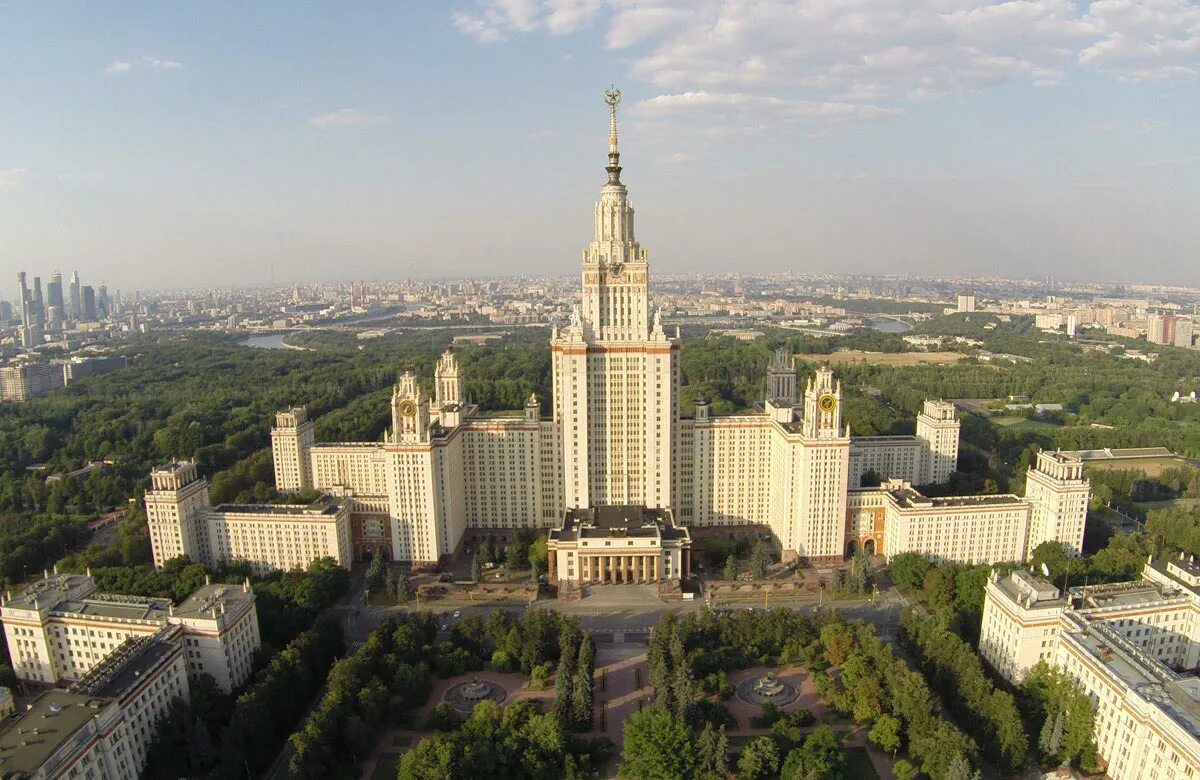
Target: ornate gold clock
408,408
827,402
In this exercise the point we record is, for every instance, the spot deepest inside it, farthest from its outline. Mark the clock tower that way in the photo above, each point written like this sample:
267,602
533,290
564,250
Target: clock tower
410,411
823,406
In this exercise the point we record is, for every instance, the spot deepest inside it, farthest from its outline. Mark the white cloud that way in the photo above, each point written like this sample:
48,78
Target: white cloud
1147,40
814,58
737,104
123,67
154,62
346,117
491,20
12,178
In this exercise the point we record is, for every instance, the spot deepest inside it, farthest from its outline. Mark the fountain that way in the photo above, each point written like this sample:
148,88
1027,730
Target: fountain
464,696
766,688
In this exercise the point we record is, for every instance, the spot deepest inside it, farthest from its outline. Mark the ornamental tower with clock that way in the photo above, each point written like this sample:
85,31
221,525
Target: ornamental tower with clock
824,463
410,411
823,406
616,373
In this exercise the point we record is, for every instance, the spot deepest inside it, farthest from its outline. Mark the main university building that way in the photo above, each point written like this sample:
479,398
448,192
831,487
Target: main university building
616,471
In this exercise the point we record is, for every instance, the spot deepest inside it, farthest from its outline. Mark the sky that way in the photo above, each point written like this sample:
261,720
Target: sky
164,145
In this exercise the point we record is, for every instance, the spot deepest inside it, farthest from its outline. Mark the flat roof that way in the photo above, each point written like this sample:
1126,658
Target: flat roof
118,607
1019,584
618,520
56,716
174,466
205,598
1177,696
130,664
325,505
1119,594
52,590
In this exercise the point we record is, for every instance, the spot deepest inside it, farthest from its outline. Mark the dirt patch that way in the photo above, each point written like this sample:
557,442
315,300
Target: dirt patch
850,357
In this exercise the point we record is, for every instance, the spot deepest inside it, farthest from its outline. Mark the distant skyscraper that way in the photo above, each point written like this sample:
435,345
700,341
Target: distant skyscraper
102,305
76,309
54,291
54,302
39,303
26,304
89,304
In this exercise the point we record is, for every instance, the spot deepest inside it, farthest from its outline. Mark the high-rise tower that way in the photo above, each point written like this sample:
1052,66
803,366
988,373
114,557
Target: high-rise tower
76,302
616,373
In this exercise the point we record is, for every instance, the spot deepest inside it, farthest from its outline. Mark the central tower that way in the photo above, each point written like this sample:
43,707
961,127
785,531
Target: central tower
615,268
616,374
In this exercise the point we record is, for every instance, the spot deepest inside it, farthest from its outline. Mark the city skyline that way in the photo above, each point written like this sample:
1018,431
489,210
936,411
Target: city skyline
175,149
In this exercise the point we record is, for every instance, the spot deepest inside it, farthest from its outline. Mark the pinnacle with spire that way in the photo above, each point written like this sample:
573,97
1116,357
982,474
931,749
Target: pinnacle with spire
612,96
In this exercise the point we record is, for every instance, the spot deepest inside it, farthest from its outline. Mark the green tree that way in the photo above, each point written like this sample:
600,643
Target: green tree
377,571
538,554
759,560
581,696
820,756
712,750
904,770
403,588
886,733
477,567
731,568
658,746
908,570
759,760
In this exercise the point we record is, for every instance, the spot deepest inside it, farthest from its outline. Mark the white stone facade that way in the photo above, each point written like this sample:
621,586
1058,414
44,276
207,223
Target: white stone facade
1122,643
60,629
615,436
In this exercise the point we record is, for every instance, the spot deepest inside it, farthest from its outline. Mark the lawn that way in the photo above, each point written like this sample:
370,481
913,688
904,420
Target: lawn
1024,424
386,768
1152,466
858,764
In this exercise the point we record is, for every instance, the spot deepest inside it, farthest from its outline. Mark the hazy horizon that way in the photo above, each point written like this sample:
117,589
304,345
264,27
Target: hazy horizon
202,145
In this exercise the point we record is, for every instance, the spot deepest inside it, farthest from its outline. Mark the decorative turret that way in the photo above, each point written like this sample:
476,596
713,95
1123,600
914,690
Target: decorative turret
533,409
410,410
823,406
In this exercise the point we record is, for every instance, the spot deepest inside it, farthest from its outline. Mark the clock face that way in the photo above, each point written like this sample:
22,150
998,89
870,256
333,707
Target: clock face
408,408
827,402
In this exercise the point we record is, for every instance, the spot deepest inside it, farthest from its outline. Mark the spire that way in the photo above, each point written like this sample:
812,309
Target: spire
612,96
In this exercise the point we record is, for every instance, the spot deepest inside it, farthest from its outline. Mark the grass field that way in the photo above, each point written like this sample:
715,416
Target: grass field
1152,466
1022,424
886,358
858,764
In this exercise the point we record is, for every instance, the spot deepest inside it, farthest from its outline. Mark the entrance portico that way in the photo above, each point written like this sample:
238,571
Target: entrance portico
618,545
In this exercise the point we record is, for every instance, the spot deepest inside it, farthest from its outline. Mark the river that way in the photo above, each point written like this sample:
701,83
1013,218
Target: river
889,325
268,341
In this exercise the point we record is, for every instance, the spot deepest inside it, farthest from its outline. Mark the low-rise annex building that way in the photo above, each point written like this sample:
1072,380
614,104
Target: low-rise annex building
895,518
60,628
269,537
1126,644
618,544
